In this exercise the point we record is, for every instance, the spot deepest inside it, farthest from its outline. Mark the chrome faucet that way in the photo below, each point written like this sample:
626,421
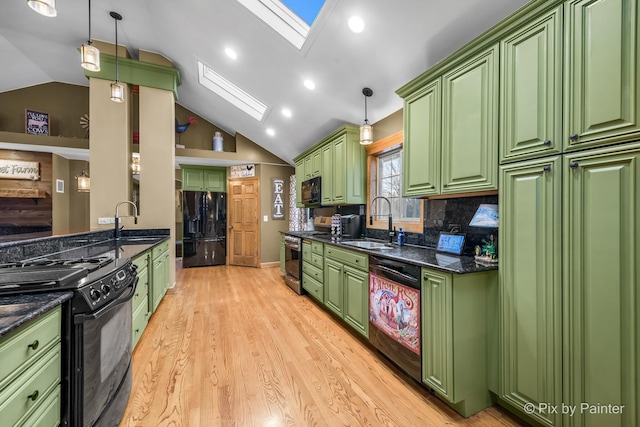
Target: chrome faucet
391,232
117,218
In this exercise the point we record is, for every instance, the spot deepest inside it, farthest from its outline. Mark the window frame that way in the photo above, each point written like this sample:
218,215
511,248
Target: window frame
375,150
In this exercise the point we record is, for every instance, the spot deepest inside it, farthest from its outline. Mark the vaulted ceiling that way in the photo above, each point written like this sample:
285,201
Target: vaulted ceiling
401,39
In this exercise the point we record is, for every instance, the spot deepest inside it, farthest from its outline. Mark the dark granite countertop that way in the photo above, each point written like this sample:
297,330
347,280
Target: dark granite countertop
16,310
417,255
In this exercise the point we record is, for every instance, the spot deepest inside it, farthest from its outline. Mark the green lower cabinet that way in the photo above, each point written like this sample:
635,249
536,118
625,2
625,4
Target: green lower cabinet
333,286
346,287
159,281
530,243
455,330
601,279
140,307
356,299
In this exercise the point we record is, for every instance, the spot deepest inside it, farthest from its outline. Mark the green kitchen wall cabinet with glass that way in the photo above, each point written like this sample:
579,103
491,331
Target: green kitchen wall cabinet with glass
566,159
341,162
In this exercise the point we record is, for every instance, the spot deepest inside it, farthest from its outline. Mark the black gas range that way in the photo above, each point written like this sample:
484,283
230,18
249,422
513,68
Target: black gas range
96,330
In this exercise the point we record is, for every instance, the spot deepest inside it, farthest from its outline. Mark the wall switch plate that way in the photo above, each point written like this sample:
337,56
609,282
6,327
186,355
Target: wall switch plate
265,218
106,220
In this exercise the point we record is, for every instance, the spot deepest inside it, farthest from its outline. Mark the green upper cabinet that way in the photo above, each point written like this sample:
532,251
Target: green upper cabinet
300,171
601,279
421,147
199,178
470,124
531,89
602,73
341,162
530,243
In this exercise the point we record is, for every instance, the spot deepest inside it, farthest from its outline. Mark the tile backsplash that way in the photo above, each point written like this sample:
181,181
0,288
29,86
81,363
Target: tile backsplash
444,215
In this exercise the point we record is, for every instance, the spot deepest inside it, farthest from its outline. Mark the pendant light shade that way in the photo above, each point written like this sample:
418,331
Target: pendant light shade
89,54
84,182
366,130
44,7
117,88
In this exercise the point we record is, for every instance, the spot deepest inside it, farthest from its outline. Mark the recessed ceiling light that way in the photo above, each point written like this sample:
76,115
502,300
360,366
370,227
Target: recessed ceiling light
271,132
310,84
286,112
356,24
231,53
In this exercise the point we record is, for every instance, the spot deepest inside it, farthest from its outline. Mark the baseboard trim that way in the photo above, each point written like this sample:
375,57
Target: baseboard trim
270,264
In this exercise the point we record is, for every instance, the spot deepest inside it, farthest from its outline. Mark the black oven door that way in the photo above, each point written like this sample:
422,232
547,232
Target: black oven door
103,357
292,259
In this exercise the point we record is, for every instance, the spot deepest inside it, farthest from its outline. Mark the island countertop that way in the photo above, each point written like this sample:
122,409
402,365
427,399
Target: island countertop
16,310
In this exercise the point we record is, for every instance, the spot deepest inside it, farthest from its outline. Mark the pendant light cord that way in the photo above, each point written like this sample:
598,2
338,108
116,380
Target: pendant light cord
116,21
89,41
365,110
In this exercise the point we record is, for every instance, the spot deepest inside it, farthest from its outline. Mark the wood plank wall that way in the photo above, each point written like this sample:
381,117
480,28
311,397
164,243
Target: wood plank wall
17,212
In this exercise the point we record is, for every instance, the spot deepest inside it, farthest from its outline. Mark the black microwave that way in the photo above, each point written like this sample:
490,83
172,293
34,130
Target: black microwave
311,192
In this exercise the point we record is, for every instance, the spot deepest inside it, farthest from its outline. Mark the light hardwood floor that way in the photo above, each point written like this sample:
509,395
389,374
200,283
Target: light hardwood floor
233,346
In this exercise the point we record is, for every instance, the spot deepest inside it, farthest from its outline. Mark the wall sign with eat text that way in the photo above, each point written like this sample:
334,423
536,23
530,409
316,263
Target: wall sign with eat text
243,171
18,169
278,198
37,123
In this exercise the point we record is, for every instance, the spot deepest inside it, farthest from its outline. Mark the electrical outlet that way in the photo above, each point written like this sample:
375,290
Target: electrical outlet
106,220
112,220
265,218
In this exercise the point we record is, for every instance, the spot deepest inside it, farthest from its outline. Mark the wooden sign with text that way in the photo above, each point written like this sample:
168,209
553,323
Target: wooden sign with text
18,169
278,198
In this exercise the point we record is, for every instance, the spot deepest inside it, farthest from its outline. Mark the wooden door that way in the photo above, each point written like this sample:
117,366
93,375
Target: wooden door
244,232
530,243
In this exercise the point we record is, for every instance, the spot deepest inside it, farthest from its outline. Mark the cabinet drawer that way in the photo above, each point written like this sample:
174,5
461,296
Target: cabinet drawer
27,344
139,323
141,261
312,271
159,250
317,248
306,250
47,414
317,260
26,393
354,259
312,286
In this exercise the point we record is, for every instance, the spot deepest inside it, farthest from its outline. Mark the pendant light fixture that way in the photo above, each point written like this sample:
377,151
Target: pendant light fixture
44,7
84,182
117,88
89,54
366,130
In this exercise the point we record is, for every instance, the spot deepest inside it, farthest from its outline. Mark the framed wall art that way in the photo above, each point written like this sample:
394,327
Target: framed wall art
36,123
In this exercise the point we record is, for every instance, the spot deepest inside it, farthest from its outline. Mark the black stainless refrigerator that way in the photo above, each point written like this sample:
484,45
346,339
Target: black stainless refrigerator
204,216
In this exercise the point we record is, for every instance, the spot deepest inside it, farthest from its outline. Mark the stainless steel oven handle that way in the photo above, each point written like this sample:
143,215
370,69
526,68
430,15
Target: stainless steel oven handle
393,272
292,246
121,300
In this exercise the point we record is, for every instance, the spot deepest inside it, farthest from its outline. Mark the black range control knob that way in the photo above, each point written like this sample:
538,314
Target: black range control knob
94,294
105,289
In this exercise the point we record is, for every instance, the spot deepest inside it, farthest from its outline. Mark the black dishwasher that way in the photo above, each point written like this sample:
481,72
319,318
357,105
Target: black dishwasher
394,313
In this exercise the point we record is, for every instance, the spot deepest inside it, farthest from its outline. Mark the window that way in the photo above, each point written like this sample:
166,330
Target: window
385,179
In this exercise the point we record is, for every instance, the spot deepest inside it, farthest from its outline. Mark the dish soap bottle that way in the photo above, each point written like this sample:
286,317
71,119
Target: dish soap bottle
401,237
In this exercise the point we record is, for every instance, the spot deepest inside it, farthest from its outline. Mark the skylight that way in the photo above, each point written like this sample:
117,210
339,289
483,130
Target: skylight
230,92
292,19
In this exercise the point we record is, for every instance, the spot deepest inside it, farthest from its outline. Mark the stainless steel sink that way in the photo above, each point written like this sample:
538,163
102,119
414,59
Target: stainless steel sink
367,244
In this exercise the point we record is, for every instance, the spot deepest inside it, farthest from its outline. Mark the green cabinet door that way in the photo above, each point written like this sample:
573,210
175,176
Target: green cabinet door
422,142
192,179
326,188
437,332
602,73
299,179
215,180
308,167
530,243
333,286
356,299
339,157
316,163
470,125
602,283
531,89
